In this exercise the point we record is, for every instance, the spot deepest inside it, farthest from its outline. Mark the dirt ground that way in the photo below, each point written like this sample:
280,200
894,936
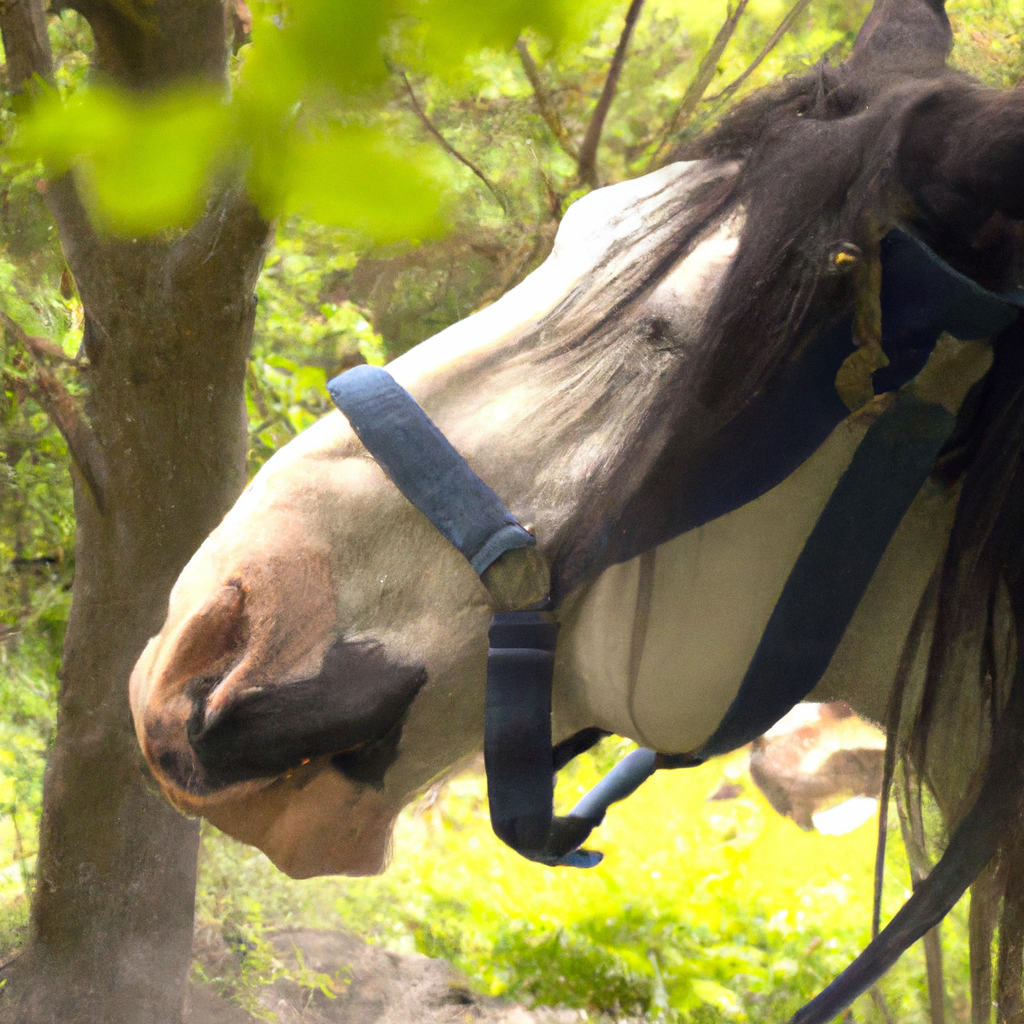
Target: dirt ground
370,985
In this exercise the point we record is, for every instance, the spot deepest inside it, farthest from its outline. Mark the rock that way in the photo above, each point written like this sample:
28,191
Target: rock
367,985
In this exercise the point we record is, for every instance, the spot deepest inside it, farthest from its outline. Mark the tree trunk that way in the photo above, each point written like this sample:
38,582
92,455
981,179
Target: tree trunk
168,329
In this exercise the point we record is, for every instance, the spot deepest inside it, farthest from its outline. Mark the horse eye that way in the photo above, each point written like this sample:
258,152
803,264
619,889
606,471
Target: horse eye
844,256
660,333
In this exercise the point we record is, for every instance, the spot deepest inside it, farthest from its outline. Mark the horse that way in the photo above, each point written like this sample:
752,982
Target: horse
325,651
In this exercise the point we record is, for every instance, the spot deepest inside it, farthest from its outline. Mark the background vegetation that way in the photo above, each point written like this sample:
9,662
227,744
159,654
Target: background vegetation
709,911
703,910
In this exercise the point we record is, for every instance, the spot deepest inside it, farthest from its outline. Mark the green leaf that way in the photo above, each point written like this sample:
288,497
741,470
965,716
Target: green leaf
718,996
282,363
310,377
146,162
354,177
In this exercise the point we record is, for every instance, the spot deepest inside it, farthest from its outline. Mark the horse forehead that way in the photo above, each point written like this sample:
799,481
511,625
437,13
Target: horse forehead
684,295
325,461
598,237
301,504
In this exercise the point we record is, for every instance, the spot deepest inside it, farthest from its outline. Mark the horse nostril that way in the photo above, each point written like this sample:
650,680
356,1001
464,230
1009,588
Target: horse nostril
256,732
198,690
180,768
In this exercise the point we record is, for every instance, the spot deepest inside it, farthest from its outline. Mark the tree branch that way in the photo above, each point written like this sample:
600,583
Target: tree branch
64,411
587,162
701,80
883,1007
140,45
449,148
784,26
27,46
545,107
230,240
26,42
82,247
128,11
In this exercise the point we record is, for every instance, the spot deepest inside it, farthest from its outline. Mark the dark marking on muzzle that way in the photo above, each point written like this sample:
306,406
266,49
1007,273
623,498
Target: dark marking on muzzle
368,764
357,702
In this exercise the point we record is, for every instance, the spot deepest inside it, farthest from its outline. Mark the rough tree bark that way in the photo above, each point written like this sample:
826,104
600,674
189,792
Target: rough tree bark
168,324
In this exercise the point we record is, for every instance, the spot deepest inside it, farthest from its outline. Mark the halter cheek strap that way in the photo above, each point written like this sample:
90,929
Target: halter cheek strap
518,753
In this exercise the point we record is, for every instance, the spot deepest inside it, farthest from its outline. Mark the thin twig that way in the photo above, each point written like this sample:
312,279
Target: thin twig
67,416
43,348
701,80
587,162
784,26
27,45
545,107
256,391
19,852
883,1007
448,147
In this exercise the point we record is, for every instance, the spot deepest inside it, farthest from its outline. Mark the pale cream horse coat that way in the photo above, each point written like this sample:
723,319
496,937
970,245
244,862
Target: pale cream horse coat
321,544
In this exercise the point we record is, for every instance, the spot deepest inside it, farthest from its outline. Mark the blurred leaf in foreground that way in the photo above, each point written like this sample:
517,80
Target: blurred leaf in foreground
145,162
307,128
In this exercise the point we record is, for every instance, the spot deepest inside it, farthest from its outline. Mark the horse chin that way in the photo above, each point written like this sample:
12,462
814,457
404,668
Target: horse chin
311,821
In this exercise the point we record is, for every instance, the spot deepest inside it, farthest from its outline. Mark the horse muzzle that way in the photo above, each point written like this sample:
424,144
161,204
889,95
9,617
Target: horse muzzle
359,699
214,710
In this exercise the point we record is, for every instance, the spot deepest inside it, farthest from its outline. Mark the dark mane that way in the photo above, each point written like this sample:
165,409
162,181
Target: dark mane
829,162
831,157
839,155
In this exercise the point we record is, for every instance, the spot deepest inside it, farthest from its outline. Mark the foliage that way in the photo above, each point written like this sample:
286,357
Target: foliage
702,911
989,39
307,330
36,518
304,126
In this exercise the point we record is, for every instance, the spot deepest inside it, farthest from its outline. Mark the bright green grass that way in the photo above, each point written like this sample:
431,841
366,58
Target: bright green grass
702,911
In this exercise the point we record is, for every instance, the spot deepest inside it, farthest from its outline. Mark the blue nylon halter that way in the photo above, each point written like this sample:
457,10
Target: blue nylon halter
518,750
921,298
424,466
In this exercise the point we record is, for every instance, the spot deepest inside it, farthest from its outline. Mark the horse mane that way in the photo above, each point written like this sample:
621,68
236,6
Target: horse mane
818,158
820,163
821,155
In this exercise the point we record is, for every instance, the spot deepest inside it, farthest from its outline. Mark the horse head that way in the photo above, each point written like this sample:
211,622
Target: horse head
323,657
324,650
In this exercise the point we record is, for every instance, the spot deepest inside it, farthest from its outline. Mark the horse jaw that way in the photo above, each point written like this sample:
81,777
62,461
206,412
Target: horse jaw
258,616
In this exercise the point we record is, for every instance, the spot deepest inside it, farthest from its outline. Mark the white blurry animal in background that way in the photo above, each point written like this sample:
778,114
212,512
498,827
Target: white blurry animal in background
821,765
